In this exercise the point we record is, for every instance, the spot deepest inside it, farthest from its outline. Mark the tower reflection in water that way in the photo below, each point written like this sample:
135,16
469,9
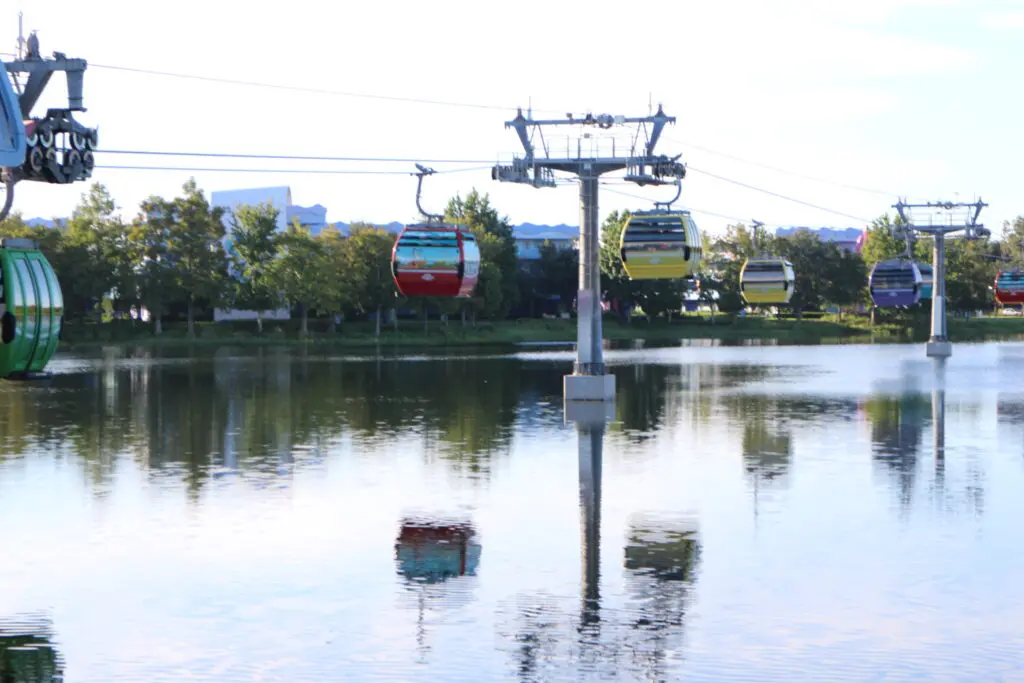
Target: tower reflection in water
661,558
27,652
428,554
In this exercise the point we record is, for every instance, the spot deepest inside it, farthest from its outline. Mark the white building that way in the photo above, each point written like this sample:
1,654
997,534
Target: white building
313,217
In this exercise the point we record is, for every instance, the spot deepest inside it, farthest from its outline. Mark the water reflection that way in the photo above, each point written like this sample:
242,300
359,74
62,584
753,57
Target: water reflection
662,556
261,415
428,553
639,633
27,652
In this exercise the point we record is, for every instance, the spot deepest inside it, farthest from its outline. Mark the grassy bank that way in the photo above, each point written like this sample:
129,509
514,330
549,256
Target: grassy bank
411,334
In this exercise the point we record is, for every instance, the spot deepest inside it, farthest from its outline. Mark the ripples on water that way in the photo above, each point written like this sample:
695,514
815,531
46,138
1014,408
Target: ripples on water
754,513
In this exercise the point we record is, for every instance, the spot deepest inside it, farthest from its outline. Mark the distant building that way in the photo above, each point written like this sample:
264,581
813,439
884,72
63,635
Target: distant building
530,237
845,238
278,197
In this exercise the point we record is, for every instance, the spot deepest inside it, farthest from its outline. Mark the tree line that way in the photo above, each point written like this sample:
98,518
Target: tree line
181,257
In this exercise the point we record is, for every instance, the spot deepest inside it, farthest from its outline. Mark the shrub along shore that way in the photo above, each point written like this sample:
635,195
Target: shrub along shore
417,334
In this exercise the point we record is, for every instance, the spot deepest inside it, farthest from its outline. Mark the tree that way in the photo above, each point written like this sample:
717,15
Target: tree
729,254
497,247
969,274
253,250
553,275
92,257
300,271
616,287
336,286
368,273
197,245
149,238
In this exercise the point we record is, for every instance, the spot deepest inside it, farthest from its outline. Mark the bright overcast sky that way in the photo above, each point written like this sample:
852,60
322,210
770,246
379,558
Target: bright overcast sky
902,97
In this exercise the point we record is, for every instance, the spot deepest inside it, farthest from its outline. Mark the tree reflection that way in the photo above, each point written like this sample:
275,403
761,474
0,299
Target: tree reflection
661,561
430,553
259,415
897,426
662,557
27,652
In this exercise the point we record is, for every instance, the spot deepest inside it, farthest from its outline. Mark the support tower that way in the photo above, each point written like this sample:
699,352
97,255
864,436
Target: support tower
939,219
588,159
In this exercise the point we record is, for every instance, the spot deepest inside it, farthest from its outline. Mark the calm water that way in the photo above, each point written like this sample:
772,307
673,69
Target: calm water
753,513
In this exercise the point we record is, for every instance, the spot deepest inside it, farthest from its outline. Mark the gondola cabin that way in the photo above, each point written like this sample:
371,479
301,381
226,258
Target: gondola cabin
927,280
31,309
895,283
660,245
767,281
1009,287
435,259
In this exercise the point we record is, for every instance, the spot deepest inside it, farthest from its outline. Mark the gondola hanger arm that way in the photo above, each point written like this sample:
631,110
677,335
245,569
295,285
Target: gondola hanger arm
424,171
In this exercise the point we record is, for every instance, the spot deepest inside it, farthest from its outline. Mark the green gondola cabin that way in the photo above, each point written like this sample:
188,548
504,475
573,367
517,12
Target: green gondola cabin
31,309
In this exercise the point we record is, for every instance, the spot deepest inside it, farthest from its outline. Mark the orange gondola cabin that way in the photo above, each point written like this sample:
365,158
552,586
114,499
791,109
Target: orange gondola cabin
435,259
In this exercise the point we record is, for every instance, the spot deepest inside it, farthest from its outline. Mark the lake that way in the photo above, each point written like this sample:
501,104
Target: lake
751,513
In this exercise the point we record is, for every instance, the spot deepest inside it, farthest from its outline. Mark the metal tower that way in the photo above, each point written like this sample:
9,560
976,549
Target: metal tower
938,220
590,381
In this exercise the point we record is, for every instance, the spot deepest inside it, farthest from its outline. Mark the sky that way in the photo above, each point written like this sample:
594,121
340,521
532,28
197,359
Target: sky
844,107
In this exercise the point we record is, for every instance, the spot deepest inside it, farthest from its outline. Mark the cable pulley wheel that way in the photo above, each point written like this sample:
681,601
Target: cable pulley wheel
78,141
32,139
45,138
92,140
36,160
72,157
88,160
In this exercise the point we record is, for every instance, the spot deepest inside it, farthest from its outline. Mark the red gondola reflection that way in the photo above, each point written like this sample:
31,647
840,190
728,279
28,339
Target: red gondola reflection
1009,287
432,551
435,259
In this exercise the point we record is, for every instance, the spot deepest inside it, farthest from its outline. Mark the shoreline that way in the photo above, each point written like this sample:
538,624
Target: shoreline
535,333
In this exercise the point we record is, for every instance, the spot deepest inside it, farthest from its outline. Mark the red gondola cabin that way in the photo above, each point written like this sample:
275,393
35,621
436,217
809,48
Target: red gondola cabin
1009,287
435,259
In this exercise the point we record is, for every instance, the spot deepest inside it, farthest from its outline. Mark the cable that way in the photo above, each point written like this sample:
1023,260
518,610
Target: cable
414,100
691,209
228,155
252,170
776,194
782,170
297,88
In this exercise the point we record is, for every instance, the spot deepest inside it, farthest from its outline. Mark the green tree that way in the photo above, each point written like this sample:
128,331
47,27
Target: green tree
1011,244
254,242
368,270
497,247
91,258
148,240
616,286
555,273
336,286
300,271
726,258
969,274
197,245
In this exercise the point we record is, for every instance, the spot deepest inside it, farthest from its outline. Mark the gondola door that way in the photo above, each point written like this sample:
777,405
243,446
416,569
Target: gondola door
47,325
29,320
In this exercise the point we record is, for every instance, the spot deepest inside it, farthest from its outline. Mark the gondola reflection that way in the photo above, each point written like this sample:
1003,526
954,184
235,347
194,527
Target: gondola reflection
429,554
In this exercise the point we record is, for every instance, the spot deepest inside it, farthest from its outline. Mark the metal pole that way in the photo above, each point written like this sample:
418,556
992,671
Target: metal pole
939,288
589,353
591,444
